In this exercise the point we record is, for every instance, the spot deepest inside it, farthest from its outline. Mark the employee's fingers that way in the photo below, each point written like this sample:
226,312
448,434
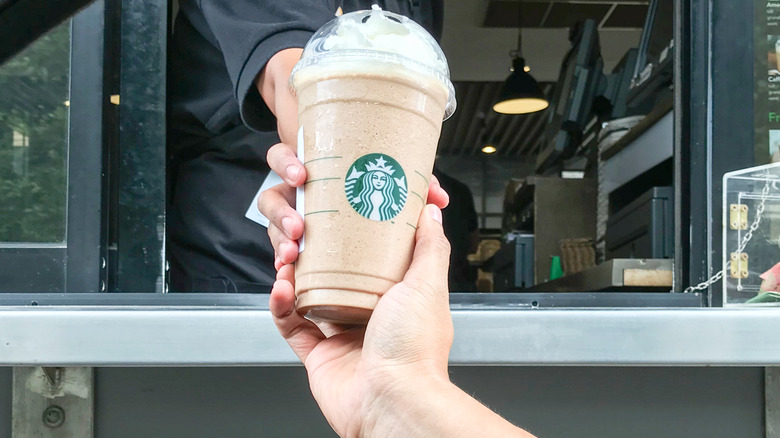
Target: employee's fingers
430,263
285,248
436,194
281,159
302,335
276,204
286,225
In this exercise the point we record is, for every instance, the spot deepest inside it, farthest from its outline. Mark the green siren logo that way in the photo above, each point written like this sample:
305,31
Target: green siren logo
376,187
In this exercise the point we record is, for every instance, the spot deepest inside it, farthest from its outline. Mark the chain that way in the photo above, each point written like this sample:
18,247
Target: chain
745,239
705,284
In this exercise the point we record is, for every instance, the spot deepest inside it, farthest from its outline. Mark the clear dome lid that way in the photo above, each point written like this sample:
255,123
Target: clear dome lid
377,37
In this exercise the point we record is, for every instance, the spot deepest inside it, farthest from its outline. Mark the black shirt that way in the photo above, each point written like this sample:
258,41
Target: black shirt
219,129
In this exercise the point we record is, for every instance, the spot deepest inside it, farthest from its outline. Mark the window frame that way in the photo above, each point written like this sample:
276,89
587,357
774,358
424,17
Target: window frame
91,263
72,265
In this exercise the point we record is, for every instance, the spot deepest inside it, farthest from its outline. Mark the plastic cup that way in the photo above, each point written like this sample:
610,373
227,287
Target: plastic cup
373,89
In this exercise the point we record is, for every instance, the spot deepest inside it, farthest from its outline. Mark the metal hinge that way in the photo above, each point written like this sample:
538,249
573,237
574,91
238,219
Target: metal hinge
52,402
739,265
738,217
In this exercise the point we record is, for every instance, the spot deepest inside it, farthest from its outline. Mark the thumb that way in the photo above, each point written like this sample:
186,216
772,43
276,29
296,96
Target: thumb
430,262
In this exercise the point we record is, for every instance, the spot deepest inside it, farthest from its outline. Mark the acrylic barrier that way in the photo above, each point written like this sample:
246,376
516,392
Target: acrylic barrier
751,236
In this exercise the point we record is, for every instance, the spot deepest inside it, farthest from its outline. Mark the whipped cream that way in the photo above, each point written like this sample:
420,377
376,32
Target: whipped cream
374,41
383,32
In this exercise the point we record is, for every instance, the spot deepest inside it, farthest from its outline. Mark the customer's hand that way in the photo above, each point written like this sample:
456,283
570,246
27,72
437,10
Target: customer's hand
390,378
354,373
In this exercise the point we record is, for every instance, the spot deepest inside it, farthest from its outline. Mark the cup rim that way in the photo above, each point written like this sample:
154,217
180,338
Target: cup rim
375,56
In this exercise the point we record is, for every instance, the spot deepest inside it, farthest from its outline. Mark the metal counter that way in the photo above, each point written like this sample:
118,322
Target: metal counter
167,335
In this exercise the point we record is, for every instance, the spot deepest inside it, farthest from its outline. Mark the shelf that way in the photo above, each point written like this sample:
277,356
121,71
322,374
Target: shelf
486,333
615,274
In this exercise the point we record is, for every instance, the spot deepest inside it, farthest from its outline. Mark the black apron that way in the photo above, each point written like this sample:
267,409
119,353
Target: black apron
212,246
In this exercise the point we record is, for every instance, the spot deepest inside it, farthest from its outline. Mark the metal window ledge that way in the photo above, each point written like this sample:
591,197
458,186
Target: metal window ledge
181,336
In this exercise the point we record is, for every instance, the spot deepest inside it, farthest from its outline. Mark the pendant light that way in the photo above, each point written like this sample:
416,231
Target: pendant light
520,93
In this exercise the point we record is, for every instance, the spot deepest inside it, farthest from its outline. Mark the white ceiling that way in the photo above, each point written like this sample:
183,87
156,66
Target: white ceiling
476,53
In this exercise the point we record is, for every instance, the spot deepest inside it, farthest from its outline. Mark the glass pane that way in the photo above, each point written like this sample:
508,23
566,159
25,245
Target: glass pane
33,140
766,33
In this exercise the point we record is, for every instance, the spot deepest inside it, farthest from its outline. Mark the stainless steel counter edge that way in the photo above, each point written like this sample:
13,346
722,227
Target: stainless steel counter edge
143,336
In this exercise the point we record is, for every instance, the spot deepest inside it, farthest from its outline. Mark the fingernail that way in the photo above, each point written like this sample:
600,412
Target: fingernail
435,213
292,172
287,225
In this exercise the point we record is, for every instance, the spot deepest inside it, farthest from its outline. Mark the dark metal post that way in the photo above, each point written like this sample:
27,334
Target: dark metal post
691,133
713,128
141,210
733,134
85,152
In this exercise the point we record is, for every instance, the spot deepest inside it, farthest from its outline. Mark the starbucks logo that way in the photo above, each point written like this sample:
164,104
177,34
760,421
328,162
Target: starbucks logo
376,187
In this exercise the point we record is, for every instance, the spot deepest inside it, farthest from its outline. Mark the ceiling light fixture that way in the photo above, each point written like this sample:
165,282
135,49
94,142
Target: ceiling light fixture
520,93
488,149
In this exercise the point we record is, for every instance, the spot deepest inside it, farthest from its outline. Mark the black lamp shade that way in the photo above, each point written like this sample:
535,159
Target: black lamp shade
520,93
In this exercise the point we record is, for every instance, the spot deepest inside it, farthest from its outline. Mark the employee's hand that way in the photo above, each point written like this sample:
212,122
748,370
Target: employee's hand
285,224
277,203
406,341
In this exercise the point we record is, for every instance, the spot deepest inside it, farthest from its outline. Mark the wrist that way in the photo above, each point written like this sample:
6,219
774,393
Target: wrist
272,83
276,73
425,407
406,407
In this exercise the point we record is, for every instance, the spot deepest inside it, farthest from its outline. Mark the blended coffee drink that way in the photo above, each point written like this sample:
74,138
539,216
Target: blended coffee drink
373,89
